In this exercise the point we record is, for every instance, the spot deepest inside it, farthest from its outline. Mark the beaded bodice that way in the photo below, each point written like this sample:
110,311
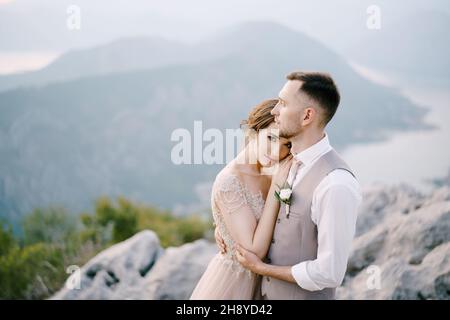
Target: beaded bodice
231,194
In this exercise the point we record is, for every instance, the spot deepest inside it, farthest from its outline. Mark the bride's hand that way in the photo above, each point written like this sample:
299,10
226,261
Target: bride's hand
219,241
282,171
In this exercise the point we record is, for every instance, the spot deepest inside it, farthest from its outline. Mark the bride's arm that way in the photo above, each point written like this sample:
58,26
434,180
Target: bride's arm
263,234
242,225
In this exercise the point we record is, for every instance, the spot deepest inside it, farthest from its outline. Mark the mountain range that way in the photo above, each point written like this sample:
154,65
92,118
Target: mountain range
99,121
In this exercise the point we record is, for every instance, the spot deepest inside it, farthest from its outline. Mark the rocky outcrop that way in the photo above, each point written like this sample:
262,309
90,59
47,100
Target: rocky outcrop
177,272
406,255
401,251
115,271
139,268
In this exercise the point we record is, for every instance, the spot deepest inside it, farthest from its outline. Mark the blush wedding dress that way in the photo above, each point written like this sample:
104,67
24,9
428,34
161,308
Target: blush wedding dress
225,277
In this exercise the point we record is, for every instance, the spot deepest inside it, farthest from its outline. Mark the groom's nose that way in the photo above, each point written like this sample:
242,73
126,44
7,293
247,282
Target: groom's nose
275,109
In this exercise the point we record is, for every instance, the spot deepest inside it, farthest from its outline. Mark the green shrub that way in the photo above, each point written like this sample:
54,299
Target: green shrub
171,230
34,267
115,222
50,225
32,272
7,241
110,223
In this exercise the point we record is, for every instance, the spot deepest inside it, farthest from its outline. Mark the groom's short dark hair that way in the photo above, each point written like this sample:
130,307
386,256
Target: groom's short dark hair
321,88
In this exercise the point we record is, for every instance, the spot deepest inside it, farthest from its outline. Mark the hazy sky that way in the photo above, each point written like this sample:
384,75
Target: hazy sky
39,26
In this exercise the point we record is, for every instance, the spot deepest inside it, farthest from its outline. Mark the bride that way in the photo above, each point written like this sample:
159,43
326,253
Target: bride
244,208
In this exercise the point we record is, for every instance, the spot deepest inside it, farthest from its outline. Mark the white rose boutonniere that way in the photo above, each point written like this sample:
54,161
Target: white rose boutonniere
284,195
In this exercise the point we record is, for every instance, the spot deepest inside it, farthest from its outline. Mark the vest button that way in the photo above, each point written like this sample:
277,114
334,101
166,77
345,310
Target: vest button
273,240
278,220
268,279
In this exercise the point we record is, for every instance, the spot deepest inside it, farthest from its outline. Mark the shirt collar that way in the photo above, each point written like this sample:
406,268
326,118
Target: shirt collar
310,154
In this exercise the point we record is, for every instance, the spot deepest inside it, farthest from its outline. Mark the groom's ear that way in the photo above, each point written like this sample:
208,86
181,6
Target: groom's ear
309,114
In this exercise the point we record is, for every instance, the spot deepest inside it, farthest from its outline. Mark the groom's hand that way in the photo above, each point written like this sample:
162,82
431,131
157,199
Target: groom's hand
248,259
219,241
252,262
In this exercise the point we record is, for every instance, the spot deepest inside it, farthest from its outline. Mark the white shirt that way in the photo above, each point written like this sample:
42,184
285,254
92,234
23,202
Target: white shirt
334,210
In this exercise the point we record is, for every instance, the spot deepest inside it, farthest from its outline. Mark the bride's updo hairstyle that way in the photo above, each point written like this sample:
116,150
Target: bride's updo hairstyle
259,118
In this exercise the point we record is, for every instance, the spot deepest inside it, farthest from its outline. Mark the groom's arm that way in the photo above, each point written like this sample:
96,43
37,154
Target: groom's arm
337,206
278,272
252,262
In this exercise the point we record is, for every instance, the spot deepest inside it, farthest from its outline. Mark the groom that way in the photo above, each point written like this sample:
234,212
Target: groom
311,243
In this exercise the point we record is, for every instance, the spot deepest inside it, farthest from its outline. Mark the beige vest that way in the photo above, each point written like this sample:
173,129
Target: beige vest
295,237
